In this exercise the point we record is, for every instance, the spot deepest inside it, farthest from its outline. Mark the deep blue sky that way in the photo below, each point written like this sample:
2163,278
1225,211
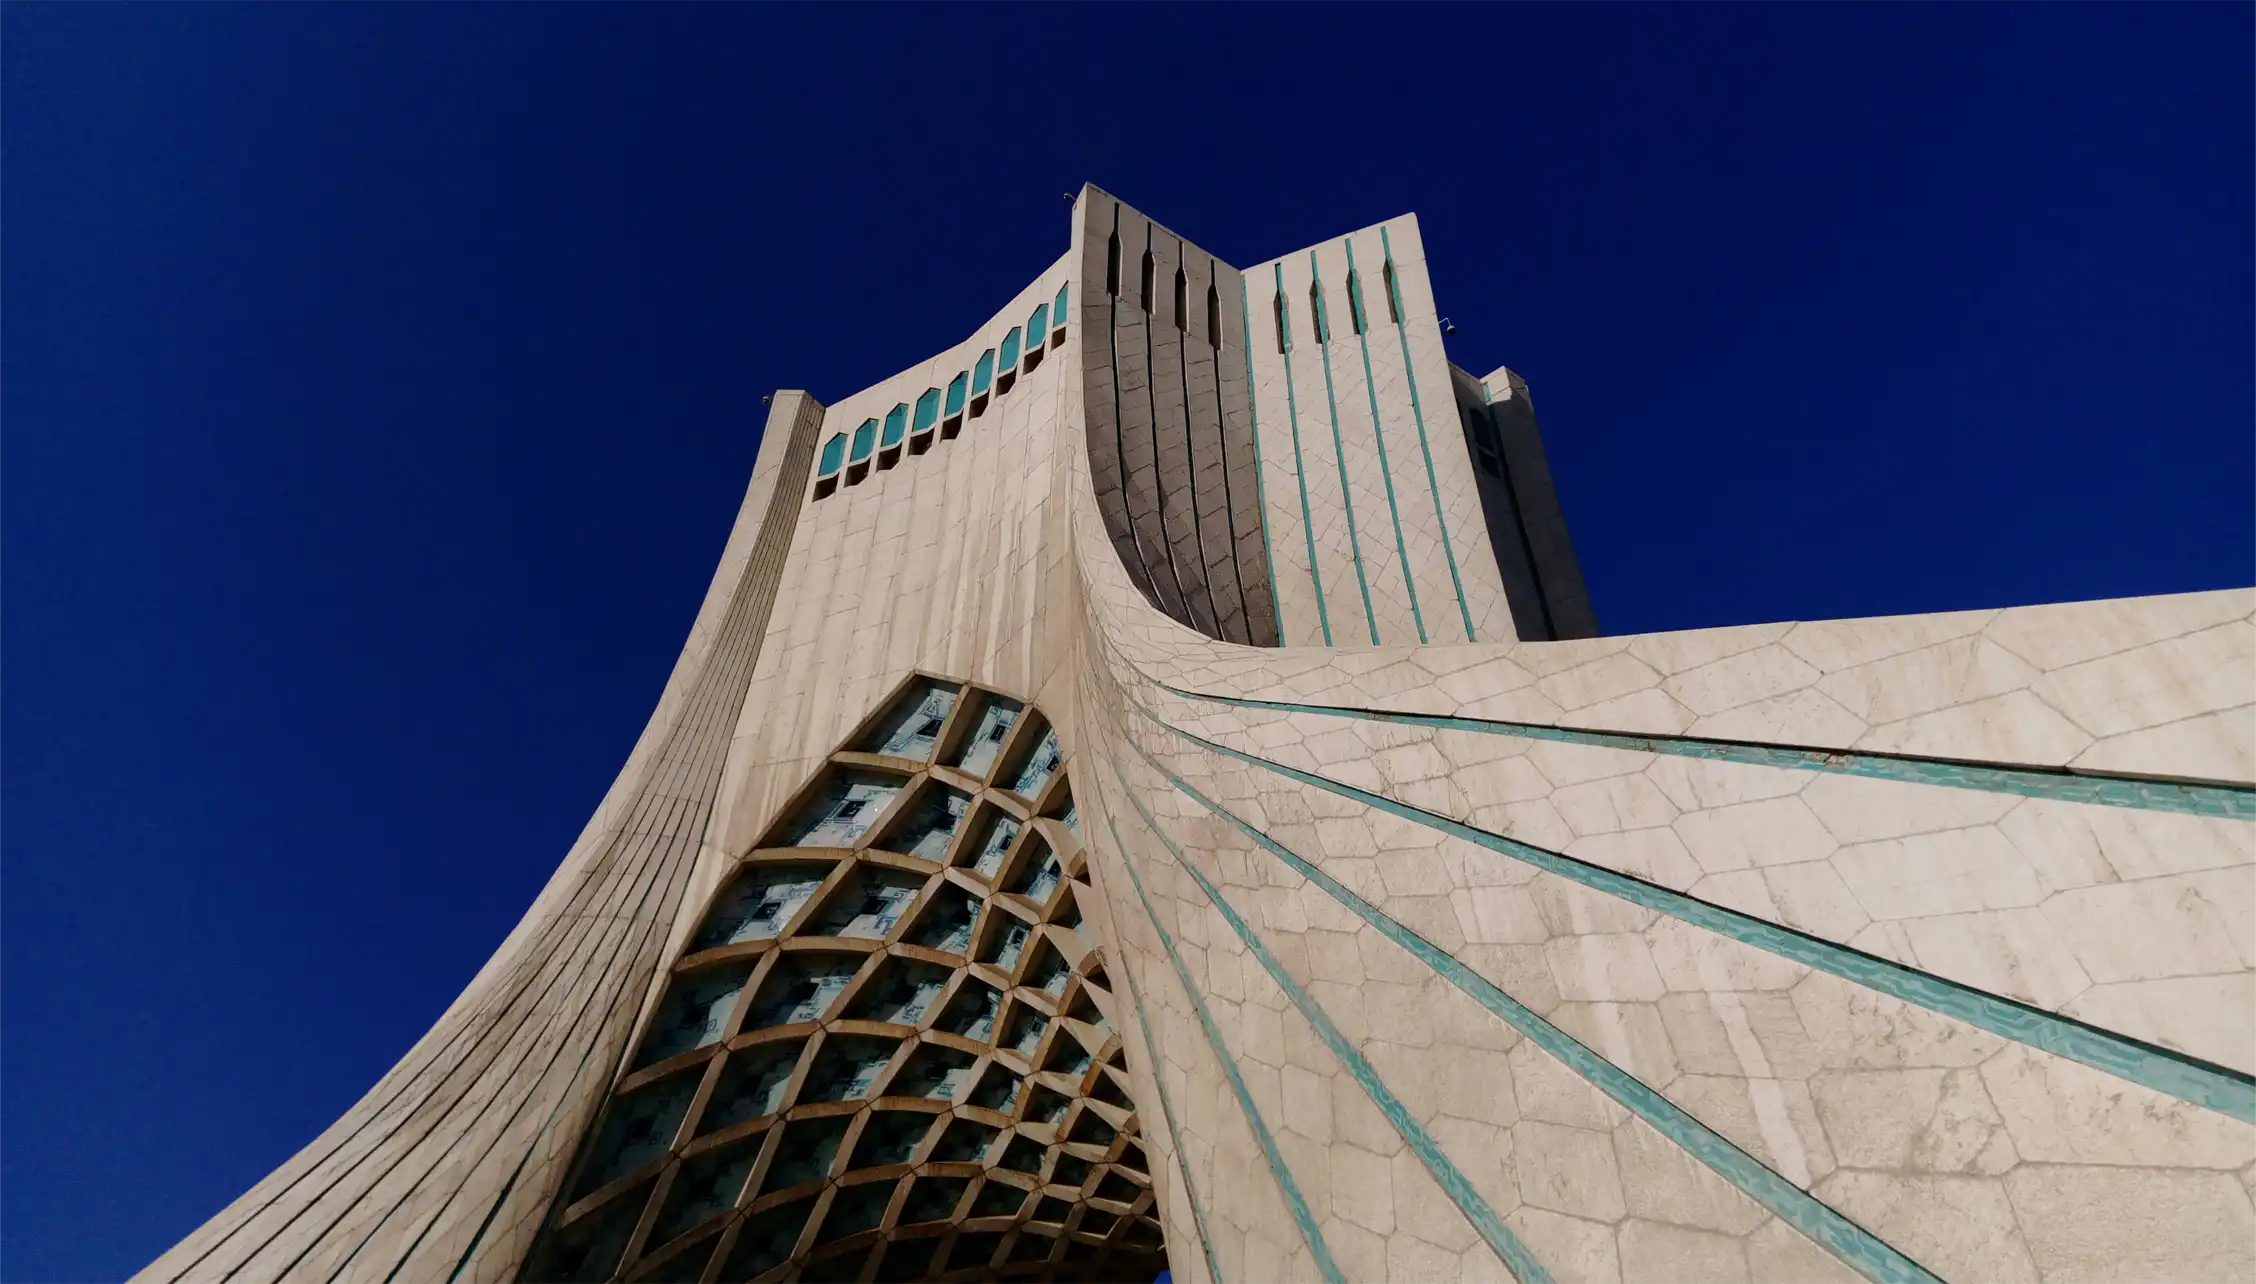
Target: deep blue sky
379,385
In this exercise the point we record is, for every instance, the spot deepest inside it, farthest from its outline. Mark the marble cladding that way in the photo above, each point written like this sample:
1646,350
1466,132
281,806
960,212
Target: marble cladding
1661,989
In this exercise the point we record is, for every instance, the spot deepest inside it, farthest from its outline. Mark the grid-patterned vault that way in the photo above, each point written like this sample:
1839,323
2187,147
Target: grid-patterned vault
884,1053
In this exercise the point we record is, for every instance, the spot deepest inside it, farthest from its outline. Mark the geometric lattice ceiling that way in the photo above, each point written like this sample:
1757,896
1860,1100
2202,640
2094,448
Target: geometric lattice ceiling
885,1053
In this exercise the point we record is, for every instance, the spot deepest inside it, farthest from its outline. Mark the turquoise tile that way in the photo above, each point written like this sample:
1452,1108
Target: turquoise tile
1261,1134
2187,1078
1501,1241
1866,1253
2193,798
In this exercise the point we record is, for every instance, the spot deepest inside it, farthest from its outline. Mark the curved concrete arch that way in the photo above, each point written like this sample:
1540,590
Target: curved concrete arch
1900,948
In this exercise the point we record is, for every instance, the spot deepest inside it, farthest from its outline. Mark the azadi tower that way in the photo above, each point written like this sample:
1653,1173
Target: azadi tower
1147,790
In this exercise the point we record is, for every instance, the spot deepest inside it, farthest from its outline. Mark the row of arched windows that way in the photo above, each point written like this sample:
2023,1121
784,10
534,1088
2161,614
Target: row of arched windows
937,415
1319,320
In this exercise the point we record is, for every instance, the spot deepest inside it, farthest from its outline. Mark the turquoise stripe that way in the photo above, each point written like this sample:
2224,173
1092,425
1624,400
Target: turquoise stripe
1869,1255
2191,798
1339,454
2187,1078
1378,435
1501,1240
1167,1108
1285,1183
1402,332
1300,464
1260,488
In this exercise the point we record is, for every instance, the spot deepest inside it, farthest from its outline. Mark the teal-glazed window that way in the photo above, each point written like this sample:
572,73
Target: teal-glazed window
865,437
1057,307
834,454
983,373
1038,325
1010,349
956,393
896,423
928,410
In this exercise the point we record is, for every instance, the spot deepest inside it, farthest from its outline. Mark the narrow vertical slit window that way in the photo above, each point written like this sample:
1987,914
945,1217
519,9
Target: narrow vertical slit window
1182,300
1112,265
1394,296
1355,302
1316,324
1280,320
1213,315
1148,309
1486,447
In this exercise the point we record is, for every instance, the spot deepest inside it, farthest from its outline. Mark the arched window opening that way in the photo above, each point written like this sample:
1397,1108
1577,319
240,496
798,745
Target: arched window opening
1037,335
1394,297
982,380
1148,309
1112,265
896,424
1213,315
1355,301
1280,320
958,393
833,459
1182,300
1316,324
927,418
1006,363
858,454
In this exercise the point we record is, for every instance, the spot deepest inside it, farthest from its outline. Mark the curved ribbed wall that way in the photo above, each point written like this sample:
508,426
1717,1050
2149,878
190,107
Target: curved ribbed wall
1407,929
